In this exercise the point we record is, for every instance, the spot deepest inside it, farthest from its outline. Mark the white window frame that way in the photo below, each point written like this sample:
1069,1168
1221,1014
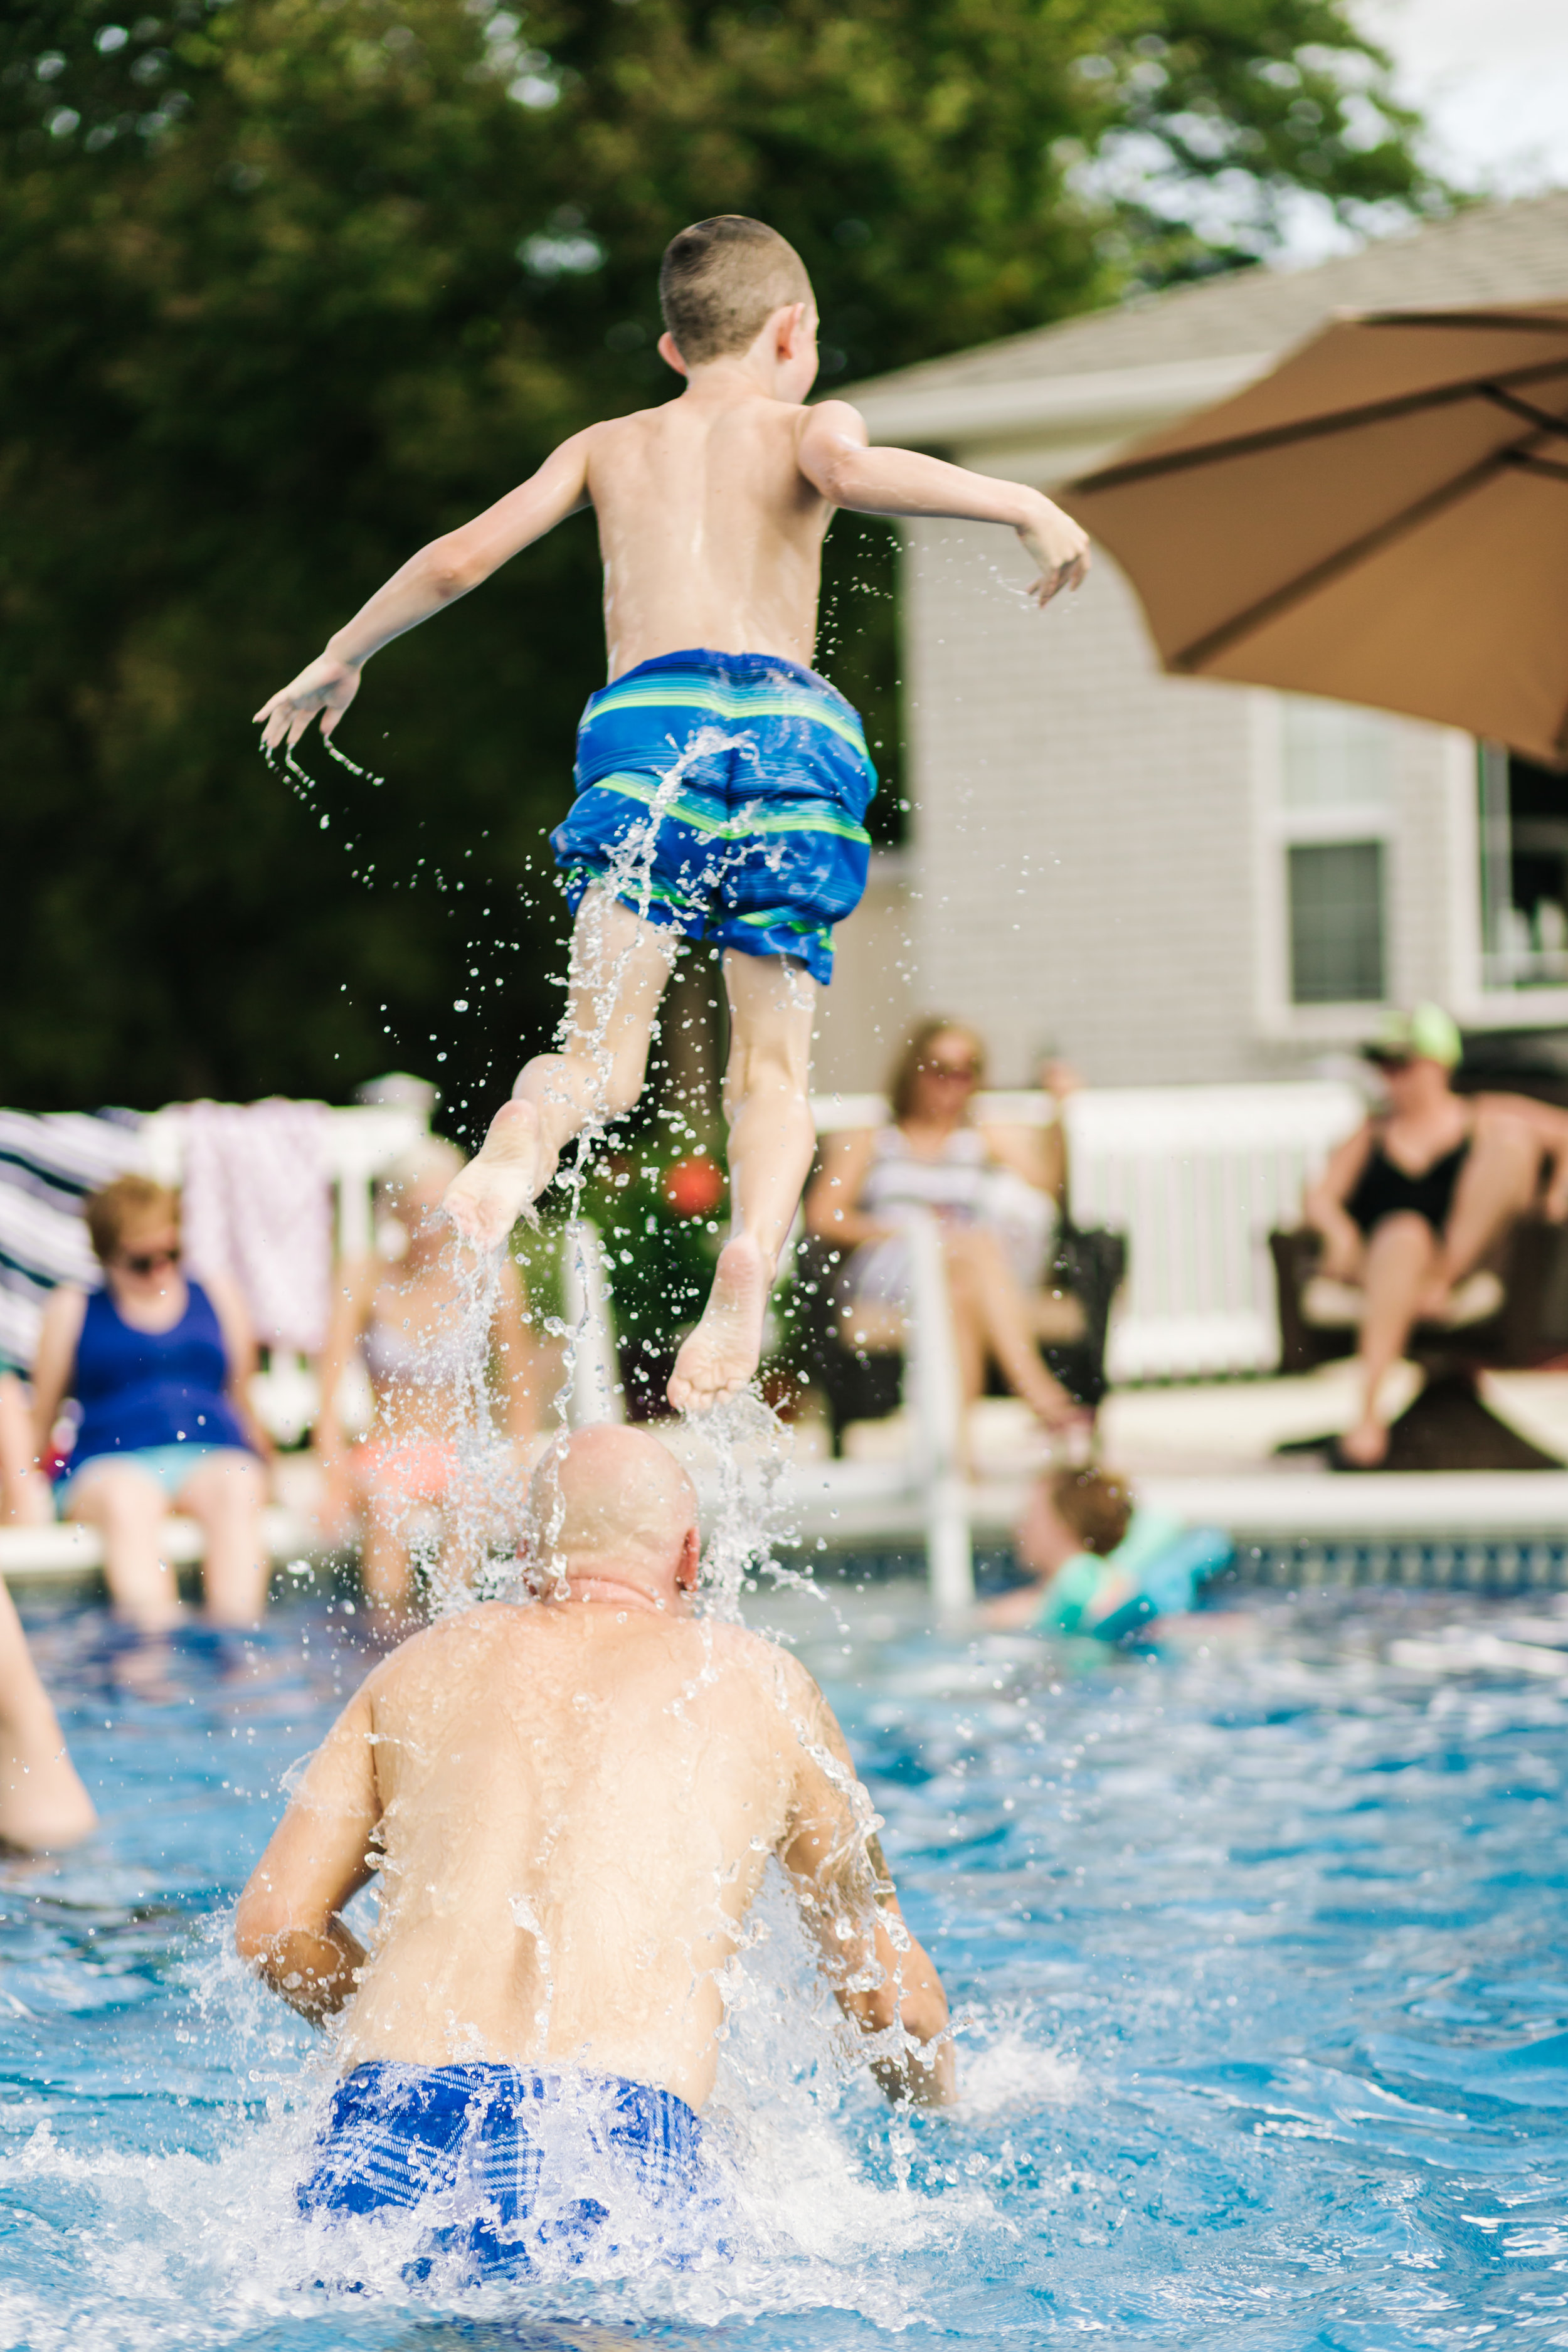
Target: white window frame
1276,831
1475,1003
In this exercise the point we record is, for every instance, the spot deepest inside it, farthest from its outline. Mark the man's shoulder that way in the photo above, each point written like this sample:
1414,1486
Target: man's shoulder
481,1624
765,1661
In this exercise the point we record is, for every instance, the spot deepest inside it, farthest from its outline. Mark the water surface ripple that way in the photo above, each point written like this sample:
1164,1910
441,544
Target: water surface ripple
1260,1946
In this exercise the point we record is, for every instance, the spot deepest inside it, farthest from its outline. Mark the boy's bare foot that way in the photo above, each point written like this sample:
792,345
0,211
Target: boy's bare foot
726,1348
502,1181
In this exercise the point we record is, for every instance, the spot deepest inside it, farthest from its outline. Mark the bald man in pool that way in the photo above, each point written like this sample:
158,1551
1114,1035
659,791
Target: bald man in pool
570,1802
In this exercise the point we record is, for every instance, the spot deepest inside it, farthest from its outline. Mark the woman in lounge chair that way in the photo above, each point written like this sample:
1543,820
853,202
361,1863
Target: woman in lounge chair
430,1454
1412,1203
159,1364
994,1191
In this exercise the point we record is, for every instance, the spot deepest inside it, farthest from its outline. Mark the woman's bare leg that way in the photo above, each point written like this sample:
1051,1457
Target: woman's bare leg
42,1802
970,1336
767,1100
225,1499
1496,1186
1396,1271
129,1509
620,964
1001,1311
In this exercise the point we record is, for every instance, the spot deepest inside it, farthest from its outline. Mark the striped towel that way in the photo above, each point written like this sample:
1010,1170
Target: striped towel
50,1161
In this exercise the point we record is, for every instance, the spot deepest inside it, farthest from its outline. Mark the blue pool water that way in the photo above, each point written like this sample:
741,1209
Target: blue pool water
1263,1953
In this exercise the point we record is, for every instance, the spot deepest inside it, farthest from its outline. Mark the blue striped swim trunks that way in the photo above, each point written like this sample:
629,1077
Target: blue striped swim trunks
515,2174
721,795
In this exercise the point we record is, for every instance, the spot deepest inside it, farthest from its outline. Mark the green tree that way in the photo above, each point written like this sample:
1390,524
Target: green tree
288,286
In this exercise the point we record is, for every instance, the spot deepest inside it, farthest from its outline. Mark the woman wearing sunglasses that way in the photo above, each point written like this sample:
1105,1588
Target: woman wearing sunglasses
158,1364
1412,1204
990,1189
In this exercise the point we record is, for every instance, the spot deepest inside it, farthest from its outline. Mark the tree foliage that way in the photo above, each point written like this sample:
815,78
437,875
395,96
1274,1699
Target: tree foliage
288,286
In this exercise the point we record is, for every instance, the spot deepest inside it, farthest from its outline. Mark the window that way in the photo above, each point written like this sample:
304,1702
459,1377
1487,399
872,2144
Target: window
1335,815
1524,872
1336,922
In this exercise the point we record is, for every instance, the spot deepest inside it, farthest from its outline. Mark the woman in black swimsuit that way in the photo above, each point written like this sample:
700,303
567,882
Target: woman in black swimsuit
1413,1202
1385,1188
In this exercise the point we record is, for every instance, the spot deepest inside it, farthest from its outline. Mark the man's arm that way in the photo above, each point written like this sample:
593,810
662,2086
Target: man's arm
882,1977
837,457
439,574
287,1925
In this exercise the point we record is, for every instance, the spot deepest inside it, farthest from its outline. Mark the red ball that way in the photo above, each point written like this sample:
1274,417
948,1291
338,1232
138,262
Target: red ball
694,1188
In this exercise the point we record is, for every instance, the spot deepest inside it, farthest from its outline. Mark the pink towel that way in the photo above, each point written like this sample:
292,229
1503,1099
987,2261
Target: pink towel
258,1208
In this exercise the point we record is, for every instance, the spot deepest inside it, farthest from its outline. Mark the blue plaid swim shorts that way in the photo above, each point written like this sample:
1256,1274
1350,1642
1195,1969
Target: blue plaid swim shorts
516,2173
723,795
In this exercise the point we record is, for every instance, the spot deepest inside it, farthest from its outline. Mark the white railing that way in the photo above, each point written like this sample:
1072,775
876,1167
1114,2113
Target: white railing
1197,1178
363,1139
594,1391
933,1398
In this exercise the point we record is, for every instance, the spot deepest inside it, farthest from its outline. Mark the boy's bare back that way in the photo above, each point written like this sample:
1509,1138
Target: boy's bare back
710,530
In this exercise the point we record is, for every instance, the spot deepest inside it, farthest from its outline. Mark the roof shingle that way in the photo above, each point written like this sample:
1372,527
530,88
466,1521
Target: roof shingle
1515,252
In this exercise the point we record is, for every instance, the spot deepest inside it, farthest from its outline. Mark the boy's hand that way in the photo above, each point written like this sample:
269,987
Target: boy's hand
328,686
1059,546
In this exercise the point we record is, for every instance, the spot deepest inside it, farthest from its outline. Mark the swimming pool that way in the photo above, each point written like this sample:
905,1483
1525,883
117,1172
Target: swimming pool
1263,1949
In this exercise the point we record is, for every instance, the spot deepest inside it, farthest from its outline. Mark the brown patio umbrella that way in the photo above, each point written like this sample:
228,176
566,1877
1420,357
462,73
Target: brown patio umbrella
1383,519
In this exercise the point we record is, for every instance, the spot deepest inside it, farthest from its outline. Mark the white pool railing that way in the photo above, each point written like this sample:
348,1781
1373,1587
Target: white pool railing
595,1391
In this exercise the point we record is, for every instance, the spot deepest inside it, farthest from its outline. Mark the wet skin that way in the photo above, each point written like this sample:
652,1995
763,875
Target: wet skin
571,1805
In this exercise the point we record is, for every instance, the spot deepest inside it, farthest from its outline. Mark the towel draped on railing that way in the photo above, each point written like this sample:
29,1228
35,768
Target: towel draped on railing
49,1163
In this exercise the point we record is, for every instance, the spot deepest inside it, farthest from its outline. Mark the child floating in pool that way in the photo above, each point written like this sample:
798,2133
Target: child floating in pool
722,784
1101,1565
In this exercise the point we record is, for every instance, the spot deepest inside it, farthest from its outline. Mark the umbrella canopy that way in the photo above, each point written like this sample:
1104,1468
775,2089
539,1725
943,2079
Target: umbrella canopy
1383,519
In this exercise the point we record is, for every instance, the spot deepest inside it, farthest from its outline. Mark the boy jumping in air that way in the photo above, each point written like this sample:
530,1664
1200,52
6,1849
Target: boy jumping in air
711,512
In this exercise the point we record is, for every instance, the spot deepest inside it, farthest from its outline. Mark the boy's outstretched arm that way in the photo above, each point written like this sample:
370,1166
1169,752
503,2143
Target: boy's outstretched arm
447,568
837,457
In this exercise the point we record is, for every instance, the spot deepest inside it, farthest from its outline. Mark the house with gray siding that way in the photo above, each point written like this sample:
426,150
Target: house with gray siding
1171,879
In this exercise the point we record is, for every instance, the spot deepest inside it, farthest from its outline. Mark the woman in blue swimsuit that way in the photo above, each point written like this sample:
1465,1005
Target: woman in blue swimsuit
158,1364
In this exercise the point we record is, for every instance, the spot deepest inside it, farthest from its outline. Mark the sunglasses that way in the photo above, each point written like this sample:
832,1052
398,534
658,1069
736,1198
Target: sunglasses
967,1071
148,1261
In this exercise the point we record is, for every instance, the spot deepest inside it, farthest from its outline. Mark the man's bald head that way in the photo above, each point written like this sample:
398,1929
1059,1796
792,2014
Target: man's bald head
612,1502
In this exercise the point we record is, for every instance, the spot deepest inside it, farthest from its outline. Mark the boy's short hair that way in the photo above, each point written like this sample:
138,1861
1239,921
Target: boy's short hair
720,282
129,1200
1097,1507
